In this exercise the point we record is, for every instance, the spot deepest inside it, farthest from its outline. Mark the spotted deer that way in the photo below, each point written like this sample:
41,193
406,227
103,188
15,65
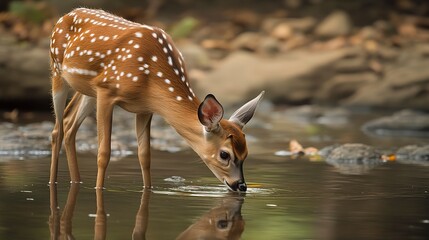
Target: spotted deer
111,61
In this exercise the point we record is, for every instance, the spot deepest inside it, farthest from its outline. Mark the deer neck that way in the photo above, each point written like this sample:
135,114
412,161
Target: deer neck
183,117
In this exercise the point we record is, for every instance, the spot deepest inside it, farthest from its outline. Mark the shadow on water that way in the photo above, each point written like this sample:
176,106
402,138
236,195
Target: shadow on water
223,221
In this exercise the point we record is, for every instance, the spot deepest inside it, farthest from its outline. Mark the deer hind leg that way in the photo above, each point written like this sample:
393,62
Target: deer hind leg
77,110
59,99
104,130
143,138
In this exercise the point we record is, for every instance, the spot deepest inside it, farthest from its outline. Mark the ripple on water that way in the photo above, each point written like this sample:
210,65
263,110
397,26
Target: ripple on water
206,191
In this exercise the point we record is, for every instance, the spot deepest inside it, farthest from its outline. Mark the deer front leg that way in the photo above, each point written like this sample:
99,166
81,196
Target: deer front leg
104,130
59,98
143,139
77,110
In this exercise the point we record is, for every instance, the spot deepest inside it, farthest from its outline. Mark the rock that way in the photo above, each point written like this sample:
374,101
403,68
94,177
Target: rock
388,53
195,56
331,44
219,31
7,39
402,123
316,114
405,84
407,30
44,43
343,85
369,33
246,41
303,114
336,117
269,24
413,154
353,158
245,18
324,152
281,77
403,76
296,41
33,140
384,27
302,25
371,46
335,24
32,60
351,65
282,31
24,142
269,45
24,72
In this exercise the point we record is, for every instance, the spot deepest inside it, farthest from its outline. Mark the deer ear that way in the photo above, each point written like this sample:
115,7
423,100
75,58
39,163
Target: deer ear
210,112
245,113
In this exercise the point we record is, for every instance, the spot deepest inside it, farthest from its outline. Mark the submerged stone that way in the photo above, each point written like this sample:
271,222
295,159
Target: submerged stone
353,158
413,154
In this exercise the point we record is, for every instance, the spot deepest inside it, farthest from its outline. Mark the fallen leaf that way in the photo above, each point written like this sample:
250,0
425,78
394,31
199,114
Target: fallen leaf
295,147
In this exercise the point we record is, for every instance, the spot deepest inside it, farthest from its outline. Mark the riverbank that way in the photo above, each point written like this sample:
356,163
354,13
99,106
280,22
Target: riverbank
300,53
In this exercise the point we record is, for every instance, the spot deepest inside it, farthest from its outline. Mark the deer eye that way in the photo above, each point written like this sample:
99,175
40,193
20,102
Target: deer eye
222,224
224,155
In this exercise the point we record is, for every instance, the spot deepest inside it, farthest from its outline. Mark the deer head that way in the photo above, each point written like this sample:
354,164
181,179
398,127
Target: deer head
227,150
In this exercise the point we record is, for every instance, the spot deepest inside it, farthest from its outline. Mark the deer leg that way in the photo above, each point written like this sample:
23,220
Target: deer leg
143,139
104,130
59,99
77,110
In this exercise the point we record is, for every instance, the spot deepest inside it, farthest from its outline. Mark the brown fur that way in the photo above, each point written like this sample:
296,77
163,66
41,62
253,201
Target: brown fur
84,62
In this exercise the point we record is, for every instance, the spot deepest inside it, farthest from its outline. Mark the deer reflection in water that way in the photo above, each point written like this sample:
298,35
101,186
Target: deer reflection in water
221,222
61,227
224,221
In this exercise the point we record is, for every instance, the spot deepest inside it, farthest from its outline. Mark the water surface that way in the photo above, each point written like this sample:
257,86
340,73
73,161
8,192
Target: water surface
288,197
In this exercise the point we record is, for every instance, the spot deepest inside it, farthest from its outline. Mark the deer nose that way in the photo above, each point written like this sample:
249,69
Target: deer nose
241,185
